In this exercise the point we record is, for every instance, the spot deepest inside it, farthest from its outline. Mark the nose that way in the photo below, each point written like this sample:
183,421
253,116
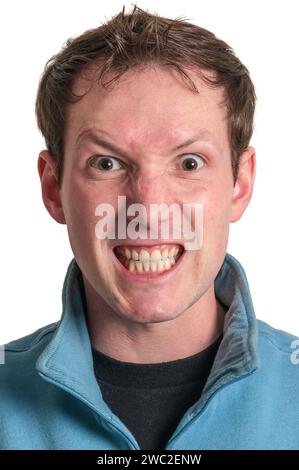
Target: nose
150,187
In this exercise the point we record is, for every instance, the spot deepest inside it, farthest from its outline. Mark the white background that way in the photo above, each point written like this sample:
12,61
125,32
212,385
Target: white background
35,250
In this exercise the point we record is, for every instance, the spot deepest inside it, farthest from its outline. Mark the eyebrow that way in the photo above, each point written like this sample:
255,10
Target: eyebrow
93,137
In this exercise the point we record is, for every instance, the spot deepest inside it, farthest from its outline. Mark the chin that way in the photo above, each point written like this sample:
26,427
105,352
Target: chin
154,314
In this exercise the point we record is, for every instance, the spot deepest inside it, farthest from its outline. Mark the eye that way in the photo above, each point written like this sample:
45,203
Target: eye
191,162
105,163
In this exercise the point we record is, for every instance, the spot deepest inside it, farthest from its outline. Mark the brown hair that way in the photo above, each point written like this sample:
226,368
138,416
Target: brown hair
137,39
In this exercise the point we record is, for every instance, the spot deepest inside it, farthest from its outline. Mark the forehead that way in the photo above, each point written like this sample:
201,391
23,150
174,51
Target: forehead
150,105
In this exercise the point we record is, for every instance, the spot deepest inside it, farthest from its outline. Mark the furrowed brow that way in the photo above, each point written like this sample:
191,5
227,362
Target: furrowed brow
97,140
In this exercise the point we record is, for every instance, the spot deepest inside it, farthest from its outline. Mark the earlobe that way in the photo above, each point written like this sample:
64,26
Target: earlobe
244,184
46,166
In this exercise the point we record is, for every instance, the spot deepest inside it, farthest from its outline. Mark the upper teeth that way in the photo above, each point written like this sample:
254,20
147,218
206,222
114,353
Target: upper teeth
155,255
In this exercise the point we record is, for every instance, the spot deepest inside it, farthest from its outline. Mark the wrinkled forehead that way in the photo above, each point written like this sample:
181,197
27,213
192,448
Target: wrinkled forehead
153,103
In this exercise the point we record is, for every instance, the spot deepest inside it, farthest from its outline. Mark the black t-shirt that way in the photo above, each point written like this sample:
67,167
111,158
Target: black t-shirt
151,399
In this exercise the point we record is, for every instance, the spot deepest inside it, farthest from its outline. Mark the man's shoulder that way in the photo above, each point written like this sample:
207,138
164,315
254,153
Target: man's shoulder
29,346
279,339
279,349
22,390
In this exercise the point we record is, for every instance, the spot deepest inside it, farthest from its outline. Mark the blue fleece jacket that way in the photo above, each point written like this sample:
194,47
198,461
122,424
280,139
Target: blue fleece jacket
50,398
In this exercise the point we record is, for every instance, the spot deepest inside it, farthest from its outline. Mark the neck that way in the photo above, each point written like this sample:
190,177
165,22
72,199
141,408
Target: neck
188,334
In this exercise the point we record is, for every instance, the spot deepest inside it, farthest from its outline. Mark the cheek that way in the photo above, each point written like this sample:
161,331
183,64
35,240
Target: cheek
190,191
82,196
215,216
216,225
79,203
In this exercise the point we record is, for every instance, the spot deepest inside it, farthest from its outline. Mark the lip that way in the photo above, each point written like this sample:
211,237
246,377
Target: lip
153,278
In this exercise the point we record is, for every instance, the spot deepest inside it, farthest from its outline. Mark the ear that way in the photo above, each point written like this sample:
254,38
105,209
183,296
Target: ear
46,166
244,184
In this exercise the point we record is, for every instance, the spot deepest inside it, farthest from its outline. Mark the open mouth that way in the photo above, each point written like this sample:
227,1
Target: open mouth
155,259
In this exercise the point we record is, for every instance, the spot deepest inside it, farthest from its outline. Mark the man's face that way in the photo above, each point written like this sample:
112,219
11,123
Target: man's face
146,116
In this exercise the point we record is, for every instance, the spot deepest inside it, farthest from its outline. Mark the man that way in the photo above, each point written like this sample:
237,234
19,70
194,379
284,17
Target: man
158,346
